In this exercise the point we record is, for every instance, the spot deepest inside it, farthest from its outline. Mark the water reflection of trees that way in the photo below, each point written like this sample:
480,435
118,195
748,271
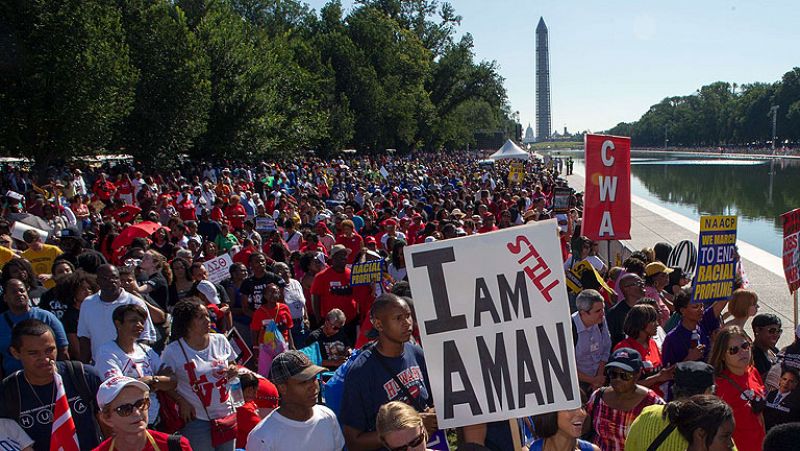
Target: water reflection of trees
713,188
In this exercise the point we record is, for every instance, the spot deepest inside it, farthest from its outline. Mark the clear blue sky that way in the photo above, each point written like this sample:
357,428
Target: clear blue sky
610,60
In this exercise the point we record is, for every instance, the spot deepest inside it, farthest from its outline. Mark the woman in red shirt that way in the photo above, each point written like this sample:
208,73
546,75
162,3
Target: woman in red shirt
235,213
739,384
351,240
641,325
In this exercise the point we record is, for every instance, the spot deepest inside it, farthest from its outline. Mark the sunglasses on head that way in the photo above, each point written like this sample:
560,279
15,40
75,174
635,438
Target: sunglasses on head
126,410
412,444
733,350
615,374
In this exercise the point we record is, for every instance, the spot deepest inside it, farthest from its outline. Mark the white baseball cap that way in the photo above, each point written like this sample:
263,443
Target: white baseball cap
209,291
109,389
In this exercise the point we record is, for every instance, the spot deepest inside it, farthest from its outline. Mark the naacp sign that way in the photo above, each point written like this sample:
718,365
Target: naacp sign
494,320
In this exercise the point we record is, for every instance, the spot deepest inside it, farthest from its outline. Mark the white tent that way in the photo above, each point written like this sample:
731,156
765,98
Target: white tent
511,151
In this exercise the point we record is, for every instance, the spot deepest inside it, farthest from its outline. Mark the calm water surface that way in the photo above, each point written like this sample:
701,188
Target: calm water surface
758,191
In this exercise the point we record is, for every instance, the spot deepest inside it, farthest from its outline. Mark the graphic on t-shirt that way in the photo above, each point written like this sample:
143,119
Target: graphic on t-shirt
410,377
203,387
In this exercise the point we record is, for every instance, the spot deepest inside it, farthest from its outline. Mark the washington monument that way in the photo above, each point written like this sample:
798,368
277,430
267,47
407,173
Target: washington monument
543,128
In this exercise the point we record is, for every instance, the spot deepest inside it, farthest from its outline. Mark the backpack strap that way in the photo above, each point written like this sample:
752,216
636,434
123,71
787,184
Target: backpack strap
661,437
11,397
174,442
77,374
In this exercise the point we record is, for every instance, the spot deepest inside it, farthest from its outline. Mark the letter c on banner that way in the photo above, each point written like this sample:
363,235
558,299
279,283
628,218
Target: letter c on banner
607,160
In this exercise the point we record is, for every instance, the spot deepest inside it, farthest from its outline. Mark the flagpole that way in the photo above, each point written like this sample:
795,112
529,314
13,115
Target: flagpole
794,296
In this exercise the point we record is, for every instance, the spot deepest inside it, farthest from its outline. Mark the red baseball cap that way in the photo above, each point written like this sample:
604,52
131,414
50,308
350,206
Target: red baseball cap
267,394
369,240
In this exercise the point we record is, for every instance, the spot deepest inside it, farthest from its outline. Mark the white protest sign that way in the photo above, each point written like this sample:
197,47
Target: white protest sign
19,229
384,172
494,318
265,224
219,268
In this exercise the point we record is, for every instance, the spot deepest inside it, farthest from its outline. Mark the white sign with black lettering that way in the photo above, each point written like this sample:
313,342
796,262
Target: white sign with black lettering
494,318
219,268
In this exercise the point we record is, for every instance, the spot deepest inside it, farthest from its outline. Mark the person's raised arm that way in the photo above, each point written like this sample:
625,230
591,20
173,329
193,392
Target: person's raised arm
86,349
361,441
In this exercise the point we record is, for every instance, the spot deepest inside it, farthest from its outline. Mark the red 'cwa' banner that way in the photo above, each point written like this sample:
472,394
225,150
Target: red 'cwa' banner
791,248
607,200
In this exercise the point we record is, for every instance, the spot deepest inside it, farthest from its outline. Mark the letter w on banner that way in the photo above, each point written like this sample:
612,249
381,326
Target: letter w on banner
607,200
65,434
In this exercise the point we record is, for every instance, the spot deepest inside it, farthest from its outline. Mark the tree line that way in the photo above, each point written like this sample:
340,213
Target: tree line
721,114
239,79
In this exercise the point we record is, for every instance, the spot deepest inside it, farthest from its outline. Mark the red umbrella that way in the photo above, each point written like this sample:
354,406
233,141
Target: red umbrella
140,230
126,214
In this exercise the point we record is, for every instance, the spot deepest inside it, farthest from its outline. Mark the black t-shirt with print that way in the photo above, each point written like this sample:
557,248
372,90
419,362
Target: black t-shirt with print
36,408
253,287
329,347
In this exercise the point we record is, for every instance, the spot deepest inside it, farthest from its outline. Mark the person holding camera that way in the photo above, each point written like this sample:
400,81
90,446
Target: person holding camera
739,384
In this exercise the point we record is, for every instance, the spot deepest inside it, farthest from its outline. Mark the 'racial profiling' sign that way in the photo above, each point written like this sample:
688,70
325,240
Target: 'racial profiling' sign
716,259
791,248
494,317
366,273
607,200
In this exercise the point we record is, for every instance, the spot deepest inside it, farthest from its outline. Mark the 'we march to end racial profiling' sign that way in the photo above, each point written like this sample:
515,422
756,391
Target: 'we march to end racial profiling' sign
494,316
716,259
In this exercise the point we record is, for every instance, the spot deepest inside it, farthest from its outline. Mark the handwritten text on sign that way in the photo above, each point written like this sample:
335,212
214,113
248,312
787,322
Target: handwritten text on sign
716,259
497,334
791,249
219,268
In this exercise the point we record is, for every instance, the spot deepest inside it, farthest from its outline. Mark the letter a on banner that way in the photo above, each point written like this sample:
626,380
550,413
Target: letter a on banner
607,198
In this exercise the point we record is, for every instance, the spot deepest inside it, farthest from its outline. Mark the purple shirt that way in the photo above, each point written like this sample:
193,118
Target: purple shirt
676,344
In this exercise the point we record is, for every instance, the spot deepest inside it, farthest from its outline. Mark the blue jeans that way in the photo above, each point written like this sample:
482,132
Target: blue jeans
198,432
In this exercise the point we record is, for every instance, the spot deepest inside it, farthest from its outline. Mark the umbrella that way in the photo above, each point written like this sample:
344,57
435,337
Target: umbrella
127,213
139,230
31,220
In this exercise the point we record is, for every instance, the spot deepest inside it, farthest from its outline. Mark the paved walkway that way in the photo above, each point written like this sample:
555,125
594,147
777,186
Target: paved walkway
651,223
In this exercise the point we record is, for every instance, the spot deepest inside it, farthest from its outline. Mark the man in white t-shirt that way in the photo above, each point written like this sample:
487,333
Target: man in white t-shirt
299,422
95,324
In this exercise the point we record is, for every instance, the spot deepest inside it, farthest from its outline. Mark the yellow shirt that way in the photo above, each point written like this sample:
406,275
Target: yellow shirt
42,261
6,255
647,426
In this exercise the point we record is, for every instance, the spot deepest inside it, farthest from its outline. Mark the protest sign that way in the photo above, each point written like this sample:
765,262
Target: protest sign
241,351
684,256
384,172
219,268
574,275
607,198
366,273
19,228
791,250
489,357
516,172
265,224
716,259
561,197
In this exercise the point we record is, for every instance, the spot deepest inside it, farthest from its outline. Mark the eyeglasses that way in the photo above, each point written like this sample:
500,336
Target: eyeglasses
126,410
624,375
412,444
733,350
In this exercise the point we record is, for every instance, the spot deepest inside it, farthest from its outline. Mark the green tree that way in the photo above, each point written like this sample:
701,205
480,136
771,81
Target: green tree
173,95
72,80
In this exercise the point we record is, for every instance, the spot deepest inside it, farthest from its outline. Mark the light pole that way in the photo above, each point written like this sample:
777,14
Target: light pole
773,111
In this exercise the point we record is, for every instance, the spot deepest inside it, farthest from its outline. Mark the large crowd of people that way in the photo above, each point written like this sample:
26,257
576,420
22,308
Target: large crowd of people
120,287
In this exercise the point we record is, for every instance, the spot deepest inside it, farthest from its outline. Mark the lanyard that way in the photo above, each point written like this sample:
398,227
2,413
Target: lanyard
149,438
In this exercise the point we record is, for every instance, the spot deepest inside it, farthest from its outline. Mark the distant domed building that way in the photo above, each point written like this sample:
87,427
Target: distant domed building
529,137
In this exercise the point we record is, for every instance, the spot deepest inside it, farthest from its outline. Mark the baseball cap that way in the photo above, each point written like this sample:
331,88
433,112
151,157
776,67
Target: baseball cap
266,394
694,375
369,240
209,291
111,388
339,248
655,268
293,365
625,359
70,232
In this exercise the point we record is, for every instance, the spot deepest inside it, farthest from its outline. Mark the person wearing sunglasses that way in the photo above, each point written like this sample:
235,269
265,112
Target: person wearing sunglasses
400,427
766,332
123,404
612,409
739,385
334,345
